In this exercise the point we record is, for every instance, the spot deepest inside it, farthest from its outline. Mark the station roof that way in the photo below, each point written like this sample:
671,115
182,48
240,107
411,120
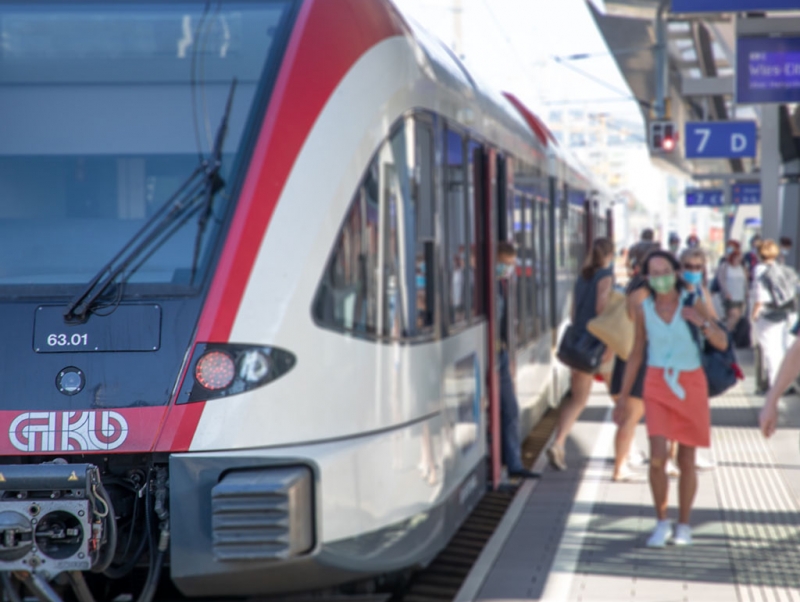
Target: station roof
701,69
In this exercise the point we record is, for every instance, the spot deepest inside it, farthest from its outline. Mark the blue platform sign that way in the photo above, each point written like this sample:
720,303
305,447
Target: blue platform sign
767,70
704,197
731,6
746,193
727,139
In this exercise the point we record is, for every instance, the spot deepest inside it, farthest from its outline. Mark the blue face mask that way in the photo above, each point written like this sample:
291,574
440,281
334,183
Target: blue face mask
503,270
692,278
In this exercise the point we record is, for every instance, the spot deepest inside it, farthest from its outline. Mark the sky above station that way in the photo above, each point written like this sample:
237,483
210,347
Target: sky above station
531,48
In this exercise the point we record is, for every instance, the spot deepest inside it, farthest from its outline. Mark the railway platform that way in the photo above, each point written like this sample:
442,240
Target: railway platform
578,536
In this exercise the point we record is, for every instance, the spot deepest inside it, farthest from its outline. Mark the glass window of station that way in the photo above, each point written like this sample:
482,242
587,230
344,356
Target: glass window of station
108,108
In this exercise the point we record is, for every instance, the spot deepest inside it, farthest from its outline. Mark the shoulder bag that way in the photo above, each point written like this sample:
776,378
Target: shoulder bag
614,327
720,367
578,349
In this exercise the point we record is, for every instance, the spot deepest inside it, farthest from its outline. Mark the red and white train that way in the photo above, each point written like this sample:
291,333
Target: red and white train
246,290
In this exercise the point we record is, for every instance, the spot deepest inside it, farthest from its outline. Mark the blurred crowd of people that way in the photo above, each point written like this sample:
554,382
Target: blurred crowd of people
680,307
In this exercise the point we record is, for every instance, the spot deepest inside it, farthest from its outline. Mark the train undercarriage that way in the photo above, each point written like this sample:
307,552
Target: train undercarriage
61,522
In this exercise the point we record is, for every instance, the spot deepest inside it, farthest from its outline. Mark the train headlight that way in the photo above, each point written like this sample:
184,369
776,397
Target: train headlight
254,366
223,369
215,370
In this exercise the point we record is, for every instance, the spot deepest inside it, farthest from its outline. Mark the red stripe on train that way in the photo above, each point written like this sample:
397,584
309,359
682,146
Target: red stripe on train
328,38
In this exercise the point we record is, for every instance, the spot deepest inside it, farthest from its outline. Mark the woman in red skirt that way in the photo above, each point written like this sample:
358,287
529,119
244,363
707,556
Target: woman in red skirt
675,388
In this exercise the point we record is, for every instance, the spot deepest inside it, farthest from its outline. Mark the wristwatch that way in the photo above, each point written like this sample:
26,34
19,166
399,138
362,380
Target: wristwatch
705,325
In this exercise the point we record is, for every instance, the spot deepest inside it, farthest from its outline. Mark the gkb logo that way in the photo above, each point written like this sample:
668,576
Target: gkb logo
68,431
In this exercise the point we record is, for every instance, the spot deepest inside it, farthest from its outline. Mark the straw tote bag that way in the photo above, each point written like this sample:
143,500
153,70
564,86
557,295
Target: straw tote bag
613,326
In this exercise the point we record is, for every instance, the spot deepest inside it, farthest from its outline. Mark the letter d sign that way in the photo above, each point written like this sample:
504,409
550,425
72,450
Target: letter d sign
738,143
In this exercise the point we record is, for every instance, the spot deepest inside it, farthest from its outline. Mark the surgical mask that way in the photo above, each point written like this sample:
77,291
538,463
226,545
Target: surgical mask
503,270
692,278
662,284
730,249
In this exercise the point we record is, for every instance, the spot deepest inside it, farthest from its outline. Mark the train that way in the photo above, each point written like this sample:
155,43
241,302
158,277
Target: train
247,292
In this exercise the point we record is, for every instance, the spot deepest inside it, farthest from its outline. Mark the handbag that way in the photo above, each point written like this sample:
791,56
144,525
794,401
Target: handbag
720,366
580,350
614,327
741,333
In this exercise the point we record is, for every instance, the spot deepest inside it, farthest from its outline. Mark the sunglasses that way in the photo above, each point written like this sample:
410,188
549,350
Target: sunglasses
693,267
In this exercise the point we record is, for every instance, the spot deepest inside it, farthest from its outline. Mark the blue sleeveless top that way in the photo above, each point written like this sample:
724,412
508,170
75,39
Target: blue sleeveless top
585,297
670,345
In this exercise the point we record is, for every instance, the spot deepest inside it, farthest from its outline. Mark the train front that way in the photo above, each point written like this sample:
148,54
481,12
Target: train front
127,132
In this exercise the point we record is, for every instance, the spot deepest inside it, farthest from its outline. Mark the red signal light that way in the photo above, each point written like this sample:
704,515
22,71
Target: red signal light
668,144
215,370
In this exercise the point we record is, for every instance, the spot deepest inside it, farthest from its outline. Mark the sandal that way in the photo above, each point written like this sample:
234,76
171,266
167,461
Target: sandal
556,457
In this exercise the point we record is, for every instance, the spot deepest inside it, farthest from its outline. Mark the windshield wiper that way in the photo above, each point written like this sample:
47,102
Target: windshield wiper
195,194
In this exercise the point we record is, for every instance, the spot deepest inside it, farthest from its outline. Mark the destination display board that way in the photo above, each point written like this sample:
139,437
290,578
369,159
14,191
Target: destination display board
767,70
746,193
730,6
704,197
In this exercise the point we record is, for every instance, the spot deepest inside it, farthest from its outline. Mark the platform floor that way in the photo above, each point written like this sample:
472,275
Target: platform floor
576,535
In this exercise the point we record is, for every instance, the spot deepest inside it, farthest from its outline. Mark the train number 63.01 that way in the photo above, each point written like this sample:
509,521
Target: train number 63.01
62,340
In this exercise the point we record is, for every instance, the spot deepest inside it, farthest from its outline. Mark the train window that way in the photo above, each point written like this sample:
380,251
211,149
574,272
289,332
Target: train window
519,241
379,279
544,246
426,232
457,229
476,224
98,130
530,273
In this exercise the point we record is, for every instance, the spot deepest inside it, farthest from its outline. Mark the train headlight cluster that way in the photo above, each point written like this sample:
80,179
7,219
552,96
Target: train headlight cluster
227,369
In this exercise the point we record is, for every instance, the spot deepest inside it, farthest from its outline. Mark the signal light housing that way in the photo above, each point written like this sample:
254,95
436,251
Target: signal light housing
663,137
221,370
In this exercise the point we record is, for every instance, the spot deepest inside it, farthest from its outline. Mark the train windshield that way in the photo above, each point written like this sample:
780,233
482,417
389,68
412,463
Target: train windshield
107,107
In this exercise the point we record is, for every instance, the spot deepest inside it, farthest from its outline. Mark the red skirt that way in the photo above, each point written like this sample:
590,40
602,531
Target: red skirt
687,421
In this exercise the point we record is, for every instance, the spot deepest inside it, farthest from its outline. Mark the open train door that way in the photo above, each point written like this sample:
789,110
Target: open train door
488,199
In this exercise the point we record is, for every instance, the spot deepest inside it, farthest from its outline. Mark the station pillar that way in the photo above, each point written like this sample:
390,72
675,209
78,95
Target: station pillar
770,172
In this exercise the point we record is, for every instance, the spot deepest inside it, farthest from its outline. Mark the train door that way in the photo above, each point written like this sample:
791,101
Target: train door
492,219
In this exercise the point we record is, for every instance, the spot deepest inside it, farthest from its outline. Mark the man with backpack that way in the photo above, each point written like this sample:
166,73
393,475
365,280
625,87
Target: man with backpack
774,292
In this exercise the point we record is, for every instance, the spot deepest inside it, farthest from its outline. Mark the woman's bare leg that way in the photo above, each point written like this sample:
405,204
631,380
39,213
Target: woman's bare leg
659,484
734,313
572,407
687,484
625,433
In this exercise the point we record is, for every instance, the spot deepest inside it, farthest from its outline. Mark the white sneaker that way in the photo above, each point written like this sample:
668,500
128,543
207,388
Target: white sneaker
683,535
703,462
637,458
661,534
672,469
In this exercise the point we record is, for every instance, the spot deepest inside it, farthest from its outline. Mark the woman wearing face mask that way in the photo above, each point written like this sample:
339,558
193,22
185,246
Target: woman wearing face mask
693,262
732,279
675,386
589,298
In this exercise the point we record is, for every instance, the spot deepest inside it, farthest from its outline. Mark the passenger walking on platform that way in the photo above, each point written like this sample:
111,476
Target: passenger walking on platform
693,262
629,416
786,376
509,407
674,243
773,304
752,258
732,278
589,298
675,386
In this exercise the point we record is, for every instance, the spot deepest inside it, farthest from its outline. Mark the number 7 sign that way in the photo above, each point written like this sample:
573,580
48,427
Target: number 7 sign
720,139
